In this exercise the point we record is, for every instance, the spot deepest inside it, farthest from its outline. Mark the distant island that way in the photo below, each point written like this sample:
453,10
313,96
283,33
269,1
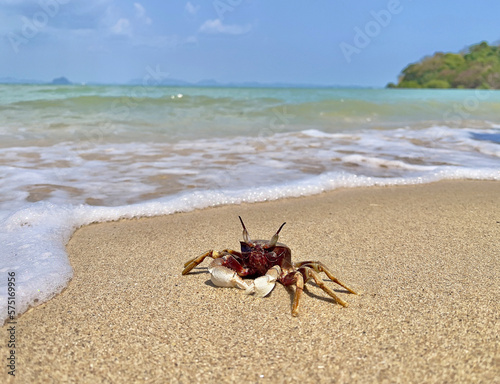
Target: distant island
171,82
60,81
476,67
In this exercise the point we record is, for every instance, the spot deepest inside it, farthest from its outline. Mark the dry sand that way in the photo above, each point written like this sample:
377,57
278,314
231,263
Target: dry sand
425,258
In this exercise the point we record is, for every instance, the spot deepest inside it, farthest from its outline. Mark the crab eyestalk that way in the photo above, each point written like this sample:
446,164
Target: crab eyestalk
274,239
246,236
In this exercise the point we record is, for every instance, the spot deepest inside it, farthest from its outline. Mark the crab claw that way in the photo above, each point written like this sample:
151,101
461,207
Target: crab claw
224,277
263,285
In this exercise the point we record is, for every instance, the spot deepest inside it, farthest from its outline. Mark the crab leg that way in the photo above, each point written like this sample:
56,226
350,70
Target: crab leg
299,288
222,276
294,278
191,263
311,274
320,267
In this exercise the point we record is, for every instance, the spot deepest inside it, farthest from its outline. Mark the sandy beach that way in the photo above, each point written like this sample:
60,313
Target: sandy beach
425,259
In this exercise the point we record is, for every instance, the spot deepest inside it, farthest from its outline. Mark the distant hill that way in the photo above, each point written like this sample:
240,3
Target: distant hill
171,82
476,67
61,81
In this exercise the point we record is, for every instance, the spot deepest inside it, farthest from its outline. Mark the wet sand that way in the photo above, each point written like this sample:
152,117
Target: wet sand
425,259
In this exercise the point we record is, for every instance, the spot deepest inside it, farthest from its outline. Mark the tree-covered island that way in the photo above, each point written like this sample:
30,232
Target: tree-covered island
476,67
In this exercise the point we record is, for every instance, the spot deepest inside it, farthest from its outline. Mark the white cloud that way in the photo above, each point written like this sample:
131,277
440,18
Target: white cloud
216,26
190,8
140,12
122,27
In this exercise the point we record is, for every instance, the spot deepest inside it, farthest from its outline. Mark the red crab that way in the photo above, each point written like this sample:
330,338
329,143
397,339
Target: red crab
266,261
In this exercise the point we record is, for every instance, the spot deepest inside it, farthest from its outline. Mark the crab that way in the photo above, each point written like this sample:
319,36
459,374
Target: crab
267,261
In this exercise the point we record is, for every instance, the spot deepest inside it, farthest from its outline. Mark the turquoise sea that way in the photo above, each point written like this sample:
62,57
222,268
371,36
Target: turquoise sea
72,155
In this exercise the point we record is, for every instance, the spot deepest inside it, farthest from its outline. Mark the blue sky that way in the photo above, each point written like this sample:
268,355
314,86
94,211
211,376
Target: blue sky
324,42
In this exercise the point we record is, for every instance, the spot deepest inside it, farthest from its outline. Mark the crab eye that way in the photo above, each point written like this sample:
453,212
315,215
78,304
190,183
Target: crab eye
246,236
245,247
274,239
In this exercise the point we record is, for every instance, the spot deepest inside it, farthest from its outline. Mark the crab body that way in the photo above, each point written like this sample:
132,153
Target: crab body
259,259
267,261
